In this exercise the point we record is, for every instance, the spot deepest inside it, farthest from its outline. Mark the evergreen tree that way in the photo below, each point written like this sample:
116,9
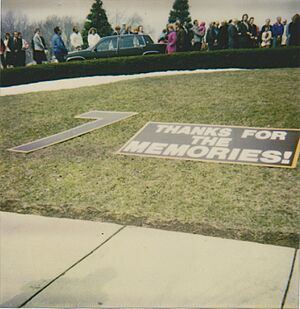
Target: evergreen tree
97,19
180,12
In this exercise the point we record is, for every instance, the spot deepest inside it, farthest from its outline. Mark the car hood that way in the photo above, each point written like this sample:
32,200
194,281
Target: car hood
77,52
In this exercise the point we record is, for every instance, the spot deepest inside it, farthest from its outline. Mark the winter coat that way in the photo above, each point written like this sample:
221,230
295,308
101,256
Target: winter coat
171,46
197,34
76,40
93,39
58,45
180,40
233,36
37,43
244,37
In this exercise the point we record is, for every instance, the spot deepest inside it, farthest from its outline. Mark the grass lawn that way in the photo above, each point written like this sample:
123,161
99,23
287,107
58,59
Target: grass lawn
83,178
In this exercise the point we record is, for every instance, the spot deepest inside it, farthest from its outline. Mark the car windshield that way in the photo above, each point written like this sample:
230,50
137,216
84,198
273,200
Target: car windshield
109,43
130,41
148,39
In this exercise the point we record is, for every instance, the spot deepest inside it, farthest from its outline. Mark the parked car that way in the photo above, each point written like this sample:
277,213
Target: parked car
119,45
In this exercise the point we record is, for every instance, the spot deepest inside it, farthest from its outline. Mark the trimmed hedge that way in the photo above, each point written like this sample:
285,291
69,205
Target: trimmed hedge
239,58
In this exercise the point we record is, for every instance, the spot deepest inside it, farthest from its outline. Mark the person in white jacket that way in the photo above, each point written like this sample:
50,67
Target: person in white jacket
93,37
39,47
76,39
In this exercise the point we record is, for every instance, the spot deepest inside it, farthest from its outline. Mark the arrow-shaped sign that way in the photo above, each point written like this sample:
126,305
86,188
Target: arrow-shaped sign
102,119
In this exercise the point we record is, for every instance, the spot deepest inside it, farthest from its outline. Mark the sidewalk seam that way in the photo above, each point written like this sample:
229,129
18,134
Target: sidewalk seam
289,280
72,266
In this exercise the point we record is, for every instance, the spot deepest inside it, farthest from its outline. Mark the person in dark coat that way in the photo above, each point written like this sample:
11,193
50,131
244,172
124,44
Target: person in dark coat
223,36
15,46
233,34
294,31
181,37
253,29
22,55
211,37
244,34
197,38
117,30
188,37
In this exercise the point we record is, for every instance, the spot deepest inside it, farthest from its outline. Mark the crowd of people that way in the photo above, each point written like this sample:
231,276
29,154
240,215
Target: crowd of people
178,37
235,33
14,47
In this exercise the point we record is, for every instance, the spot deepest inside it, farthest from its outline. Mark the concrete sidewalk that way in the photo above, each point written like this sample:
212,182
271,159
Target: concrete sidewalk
49,262
73,83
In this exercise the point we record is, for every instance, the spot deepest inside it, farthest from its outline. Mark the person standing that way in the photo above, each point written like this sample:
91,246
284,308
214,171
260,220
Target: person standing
123,29
39,47
188,36
266,38
294,31
8,54
197,39
244,32
140,29
58,45
284,39
277,32
15,46
128,30
117,30
265,28
76,39
93,37
172,38
233,34
211,36
180,37
202,30
2,52
163,37
254,33
223,35
25,46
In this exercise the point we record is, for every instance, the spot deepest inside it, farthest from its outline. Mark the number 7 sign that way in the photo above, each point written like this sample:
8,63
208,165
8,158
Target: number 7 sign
103,118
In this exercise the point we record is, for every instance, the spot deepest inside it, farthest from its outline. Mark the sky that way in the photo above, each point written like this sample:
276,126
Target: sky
155,12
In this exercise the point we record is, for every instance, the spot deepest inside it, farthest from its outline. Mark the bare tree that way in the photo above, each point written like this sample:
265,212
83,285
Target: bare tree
12,21
134,20
65,23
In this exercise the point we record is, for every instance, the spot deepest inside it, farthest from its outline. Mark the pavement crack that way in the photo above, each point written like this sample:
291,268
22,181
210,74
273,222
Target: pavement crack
72,266
289,280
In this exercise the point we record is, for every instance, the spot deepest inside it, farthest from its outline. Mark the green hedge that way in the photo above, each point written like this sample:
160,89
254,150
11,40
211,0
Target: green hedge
246,58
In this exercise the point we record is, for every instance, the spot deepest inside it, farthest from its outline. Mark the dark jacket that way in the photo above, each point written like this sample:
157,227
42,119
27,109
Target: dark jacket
15,45
254,35
180,43
244,38
211,37
223,37
233,36
294,33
